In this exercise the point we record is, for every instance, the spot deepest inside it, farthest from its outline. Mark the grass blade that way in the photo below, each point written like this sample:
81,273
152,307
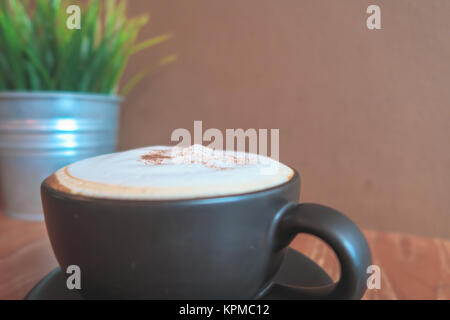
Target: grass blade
150,43
137,78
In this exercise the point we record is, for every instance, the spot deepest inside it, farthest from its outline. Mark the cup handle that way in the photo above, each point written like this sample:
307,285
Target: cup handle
341,234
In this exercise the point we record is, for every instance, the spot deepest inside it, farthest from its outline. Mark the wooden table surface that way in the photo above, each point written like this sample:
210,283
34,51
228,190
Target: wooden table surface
412,267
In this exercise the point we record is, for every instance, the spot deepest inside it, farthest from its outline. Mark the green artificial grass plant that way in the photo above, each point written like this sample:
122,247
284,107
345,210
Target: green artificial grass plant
38,52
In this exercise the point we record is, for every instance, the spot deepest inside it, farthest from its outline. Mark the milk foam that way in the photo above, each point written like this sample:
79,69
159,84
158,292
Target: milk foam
160,172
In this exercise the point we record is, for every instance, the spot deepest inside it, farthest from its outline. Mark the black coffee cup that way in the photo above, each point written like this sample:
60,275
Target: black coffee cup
208,248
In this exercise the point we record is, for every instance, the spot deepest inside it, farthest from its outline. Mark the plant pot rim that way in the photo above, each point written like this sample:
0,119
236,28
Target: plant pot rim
4,95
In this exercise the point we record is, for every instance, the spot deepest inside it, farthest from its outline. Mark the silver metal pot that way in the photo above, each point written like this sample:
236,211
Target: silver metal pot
43,131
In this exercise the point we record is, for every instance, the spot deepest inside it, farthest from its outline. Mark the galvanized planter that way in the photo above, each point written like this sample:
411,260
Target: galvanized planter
44,131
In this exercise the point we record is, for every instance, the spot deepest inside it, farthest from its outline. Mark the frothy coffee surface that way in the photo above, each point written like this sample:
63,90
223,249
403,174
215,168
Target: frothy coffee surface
160,172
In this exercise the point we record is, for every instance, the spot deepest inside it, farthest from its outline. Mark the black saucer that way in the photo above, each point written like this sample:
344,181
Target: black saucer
296,269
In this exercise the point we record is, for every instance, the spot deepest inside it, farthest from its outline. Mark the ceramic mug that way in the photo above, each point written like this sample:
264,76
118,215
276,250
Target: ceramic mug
227,247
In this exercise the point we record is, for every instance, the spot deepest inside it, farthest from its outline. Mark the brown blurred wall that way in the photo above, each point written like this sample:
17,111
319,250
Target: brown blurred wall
364,115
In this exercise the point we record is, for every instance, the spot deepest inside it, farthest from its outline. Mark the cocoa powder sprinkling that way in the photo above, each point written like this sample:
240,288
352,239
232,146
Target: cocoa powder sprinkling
156,157
194,155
